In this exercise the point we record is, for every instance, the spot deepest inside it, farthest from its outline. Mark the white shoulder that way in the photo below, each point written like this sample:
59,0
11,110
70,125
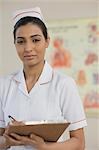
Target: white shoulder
5,81
63,79
7,78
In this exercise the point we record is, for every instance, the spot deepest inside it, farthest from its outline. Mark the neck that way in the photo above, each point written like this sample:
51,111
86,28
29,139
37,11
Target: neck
32,72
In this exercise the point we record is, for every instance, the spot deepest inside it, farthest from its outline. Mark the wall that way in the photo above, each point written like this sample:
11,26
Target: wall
1,39
52,10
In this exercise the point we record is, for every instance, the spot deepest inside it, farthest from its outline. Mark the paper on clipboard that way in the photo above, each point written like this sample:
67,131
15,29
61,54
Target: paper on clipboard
48,130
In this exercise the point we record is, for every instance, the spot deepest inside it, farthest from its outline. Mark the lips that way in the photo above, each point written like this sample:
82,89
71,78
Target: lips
29,57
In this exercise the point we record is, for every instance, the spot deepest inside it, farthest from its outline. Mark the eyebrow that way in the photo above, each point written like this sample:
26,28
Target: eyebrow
30,36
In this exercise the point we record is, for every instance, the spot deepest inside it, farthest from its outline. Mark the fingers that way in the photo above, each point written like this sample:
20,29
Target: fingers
32,140
15,139
16,136
37,141
9,138
6,130
24,139
17,123
11,141
35,137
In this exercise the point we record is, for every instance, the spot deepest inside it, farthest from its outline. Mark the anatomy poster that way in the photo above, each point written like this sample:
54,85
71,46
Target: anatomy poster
74,51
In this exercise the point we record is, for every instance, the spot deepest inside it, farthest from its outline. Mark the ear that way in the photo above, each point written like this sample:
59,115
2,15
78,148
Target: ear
47,42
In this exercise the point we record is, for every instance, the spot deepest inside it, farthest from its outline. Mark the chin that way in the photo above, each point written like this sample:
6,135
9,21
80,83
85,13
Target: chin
32,64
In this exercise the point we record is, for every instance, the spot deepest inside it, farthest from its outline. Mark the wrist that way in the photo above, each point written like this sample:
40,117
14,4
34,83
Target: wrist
44,146
5,143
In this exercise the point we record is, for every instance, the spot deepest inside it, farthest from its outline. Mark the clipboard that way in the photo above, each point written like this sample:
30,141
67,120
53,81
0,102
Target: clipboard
49,131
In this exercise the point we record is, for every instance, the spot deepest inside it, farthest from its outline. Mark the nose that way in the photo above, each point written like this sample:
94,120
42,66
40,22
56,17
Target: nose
29,46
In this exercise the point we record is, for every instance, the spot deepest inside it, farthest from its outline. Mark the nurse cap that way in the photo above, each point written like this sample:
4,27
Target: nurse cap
32,12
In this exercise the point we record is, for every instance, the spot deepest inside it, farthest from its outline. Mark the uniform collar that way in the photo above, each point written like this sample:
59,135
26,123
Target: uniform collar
45,77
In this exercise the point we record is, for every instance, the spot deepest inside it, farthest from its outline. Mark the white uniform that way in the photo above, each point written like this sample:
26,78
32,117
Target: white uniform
54,97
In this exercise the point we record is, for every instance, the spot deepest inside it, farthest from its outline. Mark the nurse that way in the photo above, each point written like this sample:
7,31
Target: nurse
37,92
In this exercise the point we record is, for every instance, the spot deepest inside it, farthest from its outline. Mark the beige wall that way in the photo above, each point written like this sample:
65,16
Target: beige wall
0,40
52,9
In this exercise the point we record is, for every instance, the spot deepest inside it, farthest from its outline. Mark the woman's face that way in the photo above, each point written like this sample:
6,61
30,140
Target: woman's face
30,44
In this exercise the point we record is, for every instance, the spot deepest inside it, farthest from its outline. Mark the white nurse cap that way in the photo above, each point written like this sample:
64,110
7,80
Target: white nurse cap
32,12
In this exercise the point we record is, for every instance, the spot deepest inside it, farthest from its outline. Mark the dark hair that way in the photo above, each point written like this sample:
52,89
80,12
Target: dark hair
33,20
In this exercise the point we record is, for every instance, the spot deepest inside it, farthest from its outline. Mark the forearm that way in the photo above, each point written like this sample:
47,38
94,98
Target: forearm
3,145
71,144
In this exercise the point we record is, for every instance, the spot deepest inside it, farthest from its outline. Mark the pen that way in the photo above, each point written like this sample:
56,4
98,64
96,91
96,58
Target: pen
12,119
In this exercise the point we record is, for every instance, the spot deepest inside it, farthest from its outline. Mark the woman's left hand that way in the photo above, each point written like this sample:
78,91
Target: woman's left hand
32,140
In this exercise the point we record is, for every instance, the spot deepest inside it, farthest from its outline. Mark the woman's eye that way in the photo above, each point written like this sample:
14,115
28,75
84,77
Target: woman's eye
35,40
20,42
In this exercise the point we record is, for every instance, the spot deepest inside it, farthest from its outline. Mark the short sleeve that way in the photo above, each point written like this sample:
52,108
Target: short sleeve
2,122
72,107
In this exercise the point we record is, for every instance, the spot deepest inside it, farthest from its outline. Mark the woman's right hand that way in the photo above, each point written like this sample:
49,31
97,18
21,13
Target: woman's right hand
9,140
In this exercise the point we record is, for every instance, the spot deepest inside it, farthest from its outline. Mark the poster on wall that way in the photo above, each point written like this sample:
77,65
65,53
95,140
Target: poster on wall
74,50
